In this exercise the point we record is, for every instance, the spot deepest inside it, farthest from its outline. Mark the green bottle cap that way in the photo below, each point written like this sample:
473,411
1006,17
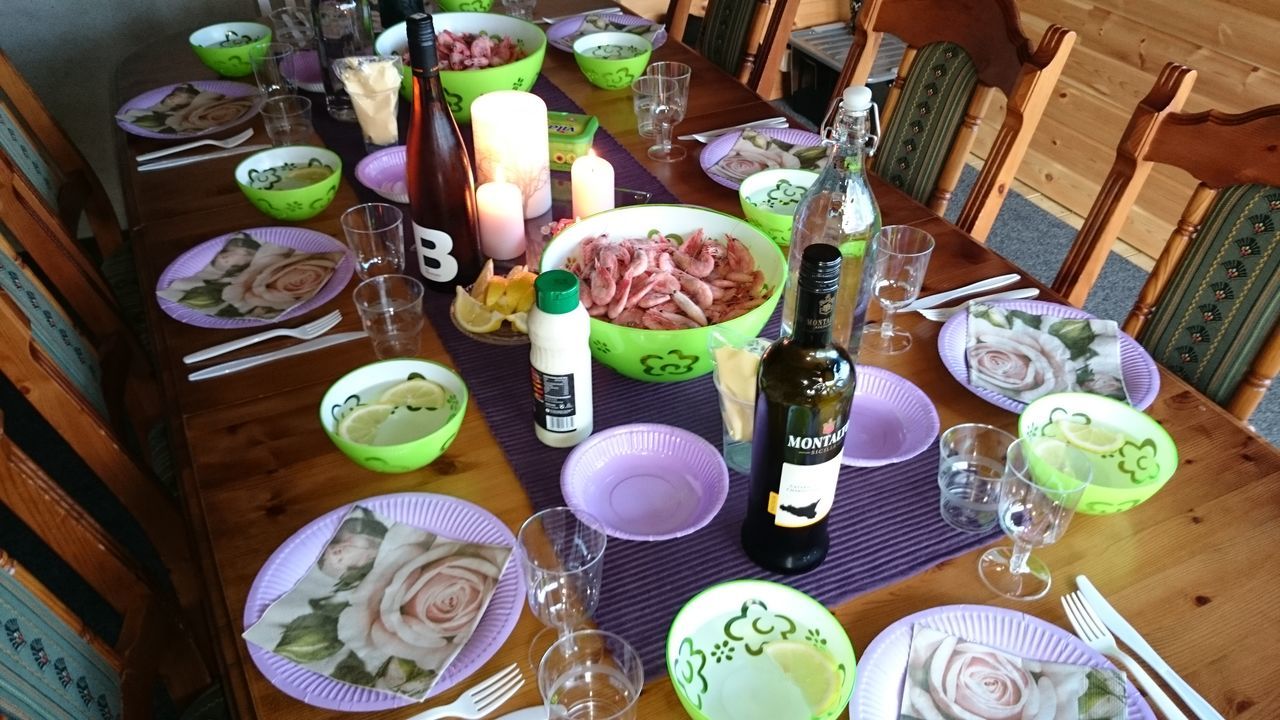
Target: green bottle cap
557,291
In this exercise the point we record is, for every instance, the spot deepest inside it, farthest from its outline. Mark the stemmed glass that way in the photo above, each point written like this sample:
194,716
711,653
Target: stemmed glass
667,99
902,255
562,554
1042,484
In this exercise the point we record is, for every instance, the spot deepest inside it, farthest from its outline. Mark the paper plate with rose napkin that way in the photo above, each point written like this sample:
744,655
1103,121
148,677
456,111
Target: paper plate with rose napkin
1010,353
189,110
730,158
254,277
387,609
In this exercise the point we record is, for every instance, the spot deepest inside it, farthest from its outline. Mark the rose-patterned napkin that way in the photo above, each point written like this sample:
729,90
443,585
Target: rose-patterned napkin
252,279
754,151
386,605
1023,356
187,108
949,678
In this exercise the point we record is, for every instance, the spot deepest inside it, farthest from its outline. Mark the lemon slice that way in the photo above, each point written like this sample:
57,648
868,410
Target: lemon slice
813,671
415,393
519,321
520,289
473,316
361,425
1090,437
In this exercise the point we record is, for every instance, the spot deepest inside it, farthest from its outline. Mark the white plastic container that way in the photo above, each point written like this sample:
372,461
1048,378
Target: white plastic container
560,361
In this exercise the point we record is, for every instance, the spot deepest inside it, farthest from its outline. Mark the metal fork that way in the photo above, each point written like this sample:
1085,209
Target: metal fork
1096,635
315,328
480,700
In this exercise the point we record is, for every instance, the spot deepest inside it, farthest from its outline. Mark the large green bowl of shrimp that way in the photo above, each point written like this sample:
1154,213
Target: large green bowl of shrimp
658,279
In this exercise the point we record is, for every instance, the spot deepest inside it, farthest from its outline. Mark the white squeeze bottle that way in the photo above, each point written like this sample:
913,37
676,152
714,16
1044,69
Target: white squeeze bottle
560,361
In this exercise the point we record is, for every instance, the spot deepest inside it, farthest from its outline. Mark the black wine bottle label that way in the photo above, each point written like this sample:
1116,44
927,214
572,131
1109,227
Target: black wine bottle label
435,254
810,470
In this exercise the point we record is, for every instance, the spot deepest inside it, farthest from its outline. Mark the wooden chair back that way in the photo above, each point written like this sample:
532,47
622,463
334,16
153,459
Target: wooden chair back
958,54
746,38
119,680
1208,311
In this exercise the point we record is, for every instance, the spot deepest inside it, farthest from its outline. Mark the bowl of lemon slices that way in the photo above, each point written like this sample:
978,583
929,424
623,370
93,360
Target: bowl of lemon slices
495,308
395,416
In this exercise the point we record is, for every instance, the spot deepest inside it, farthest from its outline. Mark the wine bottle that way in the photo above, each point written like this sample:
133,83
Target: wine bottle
805,387
442,192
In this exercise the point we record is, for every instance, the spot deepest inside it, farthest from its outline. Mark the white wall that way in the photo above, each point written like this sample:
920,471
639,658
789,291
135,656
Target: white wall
68,51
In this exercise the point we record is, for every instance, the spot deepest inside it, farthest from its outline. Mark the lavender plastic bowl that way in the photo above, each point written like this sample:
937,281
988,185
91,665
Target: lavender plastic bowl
646,481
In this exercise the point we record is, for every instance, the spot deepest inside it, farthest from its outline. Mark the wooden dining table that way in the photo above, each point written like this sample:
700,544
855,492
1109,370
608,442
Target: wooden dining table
1195,568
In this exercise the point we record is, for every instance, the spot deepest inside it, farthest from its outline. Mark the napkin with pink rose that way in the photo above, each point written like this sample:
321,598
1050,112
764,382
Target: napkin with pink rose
253,279
754,151
949,678
1023,355
385,606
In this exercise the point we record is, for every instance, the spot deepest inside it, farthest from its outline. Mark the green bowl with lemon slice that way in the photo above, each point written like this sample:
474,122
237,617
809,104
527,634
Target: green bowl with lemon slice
753,648
1131,454
395,416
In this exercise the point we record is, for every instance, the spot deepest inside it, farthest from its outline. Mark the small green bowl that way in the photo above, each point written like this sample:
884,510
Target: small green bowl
1123,478
669,355
261,172
724,629
364,385
612,60
461,87
225,47
770,198
465,5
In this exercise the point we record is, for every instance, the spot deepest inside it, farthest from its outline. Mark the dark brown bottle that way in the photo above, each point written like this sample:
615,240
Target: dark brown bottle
442,193
805,387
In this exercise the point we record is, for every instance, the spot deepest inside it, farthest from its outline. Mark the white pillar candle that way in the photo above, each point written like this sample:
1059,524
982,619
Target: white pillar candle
510,132
501,207
592,182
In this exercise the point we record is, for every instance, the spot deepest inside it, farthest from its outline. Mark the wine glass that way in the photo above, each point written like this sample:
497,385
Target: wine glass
562,555
1043,481
902,255
668,99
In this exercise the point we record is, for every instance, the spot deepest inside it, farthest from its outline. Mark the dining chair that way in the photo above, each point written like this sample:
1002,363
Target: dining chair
1208,310
56,662
959,54
746,38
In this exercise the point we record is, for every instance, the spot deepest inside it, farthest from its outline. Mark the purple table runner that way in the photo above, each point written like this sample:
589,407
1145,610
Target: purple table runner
885,524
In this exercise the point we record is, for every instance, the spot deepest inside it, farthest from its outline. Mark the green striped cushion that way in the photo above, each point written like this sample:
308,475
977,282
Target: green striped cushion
122,278
46,669
1222,303
724,32
940,84
21,149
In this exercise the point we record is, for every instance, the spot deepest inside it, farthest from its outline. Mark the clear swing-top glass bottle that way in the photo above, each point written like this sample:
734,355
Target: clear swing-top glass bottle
840,210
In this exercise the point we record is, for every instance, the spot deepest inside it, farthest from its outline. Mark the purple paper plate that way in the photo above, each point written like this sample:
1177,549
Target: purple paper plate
892,420
195,259
718,148
1141,377
448,516
646,481
558,34
882,668
151,97
382,171
306,71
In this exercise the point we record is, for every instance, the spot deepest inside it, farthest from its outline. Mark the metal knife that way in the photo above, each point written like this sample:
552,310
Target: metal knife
1129,636
980,286
232,366
709,135
178,162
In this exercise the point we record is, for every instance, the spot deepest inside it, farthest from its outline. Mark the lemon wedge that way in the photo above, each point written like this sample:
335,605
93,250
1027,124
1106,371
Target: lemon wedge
415,393
520,289
811,670
1090,437
361,424
481,285
473,316
519,321
495,292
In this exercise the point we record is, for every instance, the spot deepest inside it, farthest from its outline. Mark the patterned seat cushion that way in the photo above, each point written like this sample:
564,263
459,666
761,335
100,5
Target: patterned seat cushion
122,278
723,36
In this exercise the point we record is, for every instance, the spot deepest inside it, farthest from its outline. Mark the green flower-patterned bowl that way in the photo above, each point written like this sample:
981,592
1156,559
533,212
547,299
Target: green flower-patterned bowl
225,47
461,87
668,355
1123,477
261,176
434,428
716,648
770,197
612,60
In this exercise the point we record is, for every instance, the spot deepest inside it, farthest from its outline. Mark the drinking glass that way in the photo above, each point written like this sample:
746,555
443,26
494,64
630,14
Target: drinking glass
1042,484
644,113
391,311
288,120
562,555
591,675
375,234
293,25
373,84
273,69
902,255
970,468
522,9
667,99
